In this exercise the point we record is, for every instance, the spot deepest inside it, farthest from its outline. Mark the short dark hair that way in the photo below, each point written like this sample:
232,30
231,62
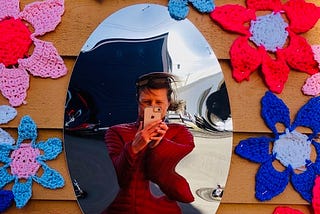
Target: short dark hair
155,80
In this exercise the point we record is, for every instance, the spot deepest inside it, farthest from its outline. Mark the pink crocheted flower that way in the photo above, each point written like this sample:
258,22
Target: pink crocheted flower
269,40
312,84
21,52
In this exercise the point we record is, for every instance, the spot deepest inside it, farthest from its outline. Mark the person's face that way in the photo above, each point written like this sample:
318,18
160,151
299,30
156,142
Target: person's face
153,97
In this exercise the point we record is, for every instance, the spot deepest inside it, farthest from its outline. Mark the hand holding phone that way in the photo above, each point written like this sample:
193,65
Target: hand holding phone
151,114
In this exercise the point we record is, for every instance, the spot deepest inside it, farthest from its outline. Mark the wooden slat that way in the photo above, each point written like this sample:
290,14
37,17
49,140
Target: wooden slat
257,209
48,207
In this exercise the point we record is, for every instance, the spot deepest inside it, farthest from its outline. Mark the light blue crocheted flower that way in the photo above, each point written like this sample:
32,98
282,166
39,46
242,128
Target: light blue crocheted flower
7,113
291,148
25,158
178,9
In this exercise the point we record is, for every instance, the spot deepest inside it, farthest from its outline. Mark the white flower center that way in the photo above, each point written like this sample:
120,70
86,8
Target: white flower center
292,148
269,31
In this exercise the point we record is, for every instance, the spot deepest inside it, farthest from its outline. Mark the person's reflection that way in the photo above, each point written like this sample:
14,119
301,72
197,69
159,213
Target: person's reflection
144,154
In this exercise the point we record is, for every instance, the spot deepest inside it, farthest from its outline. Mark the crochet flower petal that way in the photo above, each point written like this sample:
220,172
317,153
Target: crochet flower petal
5,150
302,16
50,178
316,196
203,6
274,111
45,61
44,16
14,83
275,72
22,192
254,149
6,199
299,55
309,116
303,183
7,113
52,148
5,177
316,52
286,210
233,18
273,5
312,85
316,164
9,8
178,9
270,182
27,130
244,59
5,138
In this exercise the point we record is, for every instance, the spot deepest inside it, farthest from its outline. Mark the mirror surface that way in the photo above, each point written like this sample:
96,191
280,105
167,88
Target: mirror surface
136,40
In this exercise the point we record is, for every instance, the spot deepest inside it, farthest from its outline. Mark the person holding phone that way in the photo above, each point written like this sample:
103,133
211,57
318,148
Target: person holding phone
144,152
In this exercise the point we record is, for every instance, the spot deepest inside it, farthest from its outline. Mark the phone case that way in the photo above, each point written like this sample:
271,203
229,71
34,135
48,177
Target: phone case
151,114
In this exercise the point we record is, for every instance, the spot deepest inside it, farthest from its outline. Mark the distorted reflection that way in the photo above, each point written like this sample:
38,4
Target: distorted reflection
102,93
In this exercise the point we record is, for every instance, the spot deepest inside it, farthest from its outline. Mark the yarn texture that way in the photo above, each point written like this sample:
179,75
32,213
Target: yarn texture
312,84
179,9
24,159
7,113
6,199
17,61
269,43
291,148
316,196
315,201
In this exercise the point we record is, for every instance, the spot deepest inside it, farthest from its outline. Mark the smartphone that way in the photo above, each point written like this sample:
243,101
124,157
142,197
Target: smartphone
151,114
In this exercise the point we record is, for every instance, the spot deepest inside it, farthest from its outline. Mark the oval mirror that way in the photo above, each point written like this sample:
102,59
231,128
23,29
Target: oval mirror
133,41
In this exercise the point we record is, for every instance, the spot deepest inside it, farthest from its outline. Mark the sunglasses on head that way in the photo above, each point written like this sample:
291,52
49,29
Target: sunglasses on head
153,81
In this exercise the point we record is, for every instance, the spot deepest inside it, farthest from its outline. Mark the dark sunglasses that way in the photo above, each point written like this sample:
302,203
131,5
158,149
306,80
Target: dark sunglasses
152,81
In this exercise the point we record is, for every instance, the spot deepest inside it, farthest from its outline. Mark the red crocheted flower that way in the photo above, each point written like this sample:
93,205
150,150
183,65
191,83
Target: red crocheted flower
315,201
21,52
271,40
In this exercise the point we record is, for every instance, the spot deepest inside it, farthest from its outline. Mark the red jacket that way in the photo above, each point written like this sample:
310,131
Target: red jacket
135,171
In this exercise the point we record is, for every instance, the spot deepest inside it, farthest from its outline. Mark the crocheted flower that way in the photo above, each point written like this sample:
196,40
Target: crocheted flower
7,113
21,52
269,40
290,148
6,199
25,158
286,210
312,84
316,196
315,202
178,9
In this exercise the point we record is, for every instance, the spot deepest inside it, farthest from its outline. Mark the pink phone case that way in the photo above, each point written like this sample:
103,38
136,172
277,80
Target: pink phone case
151,114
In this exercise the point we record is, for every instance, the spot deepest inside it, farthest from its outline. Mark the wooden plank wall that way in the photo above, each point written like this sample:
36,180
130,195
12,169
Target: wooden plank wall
46,99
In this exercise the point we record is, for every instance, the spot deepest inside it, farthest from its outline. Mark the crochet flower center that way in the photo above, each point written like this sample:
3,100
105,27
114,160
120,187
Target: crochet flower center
292,148
15,41
269,31
24,163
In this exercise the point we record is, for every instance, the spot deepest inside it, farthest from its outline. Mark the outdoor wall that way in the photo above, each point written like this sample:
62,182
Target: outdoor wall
46,99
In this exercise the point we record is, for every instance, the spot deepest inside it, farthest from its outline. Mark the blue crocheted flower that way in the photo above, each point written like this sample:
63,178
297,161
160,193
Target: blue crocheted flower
291,148
178,9
6,199
25,158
